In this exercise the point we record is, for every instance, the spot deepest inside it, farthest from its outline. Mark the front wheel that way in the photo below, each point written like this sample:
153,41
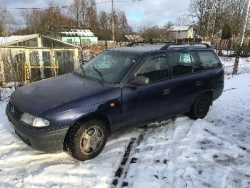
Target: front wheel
200,107
86,141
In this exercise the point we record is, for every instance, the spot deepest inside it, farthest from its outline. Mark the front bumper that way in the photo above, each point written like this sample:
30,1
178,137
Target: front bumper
40,139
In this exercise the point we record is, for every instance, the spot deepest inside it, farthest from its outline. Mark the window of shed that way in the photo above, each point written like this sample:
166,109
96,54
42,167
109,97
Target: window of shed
65,60
69,40
51,43
28,43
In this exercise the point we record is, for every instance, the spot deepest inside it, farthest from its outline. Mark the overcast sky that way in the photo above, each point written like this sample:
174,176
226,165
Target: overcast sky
157,12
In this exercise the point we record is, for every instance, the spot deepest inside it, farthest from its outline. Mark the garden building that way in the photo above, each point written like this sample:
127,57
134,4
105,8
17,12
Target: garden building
29,58
79,37
181,32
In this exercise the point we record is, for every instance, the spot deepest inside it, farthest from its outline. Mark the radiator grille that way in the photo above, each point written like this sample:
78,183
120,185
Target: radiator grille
16,113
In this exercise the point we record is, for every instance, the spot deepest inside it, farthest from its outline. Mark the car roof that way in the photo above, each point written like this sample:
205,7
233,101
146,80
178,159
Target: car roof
142,47
138,49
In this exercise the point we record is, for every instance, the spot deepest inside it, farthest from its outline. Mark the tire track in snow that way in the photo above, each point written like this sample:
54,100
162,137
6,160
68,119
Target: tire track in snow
181,129
233,180
229,89
226,140
121,172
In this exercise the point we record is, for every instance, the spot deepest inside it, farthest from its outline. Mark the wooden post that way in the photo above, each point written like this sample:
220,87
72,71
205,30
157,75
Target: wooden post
25,73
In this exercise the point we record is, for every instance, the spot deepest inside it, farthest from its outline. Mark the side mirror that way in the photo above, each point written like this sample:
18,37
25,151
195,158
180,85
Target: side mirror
140,80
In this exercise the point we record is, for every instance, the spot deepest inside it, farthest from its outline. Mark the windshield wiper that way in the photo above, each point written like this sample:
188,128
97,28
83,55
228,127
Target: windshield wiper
100,74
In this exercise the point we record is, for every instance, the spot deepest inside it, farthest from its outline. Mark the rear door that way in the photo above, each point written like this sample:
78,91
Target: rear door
187,80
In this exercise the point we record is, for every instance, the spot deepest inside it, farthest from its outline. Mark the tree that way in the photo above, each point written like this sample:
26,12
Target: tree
78,12
91,16
211,15
121,25
199,10
239,51
169,35
149,31
81,14
236,14
85,13
48,21
183,20
105,25
7,22
226,32
32,22
104,29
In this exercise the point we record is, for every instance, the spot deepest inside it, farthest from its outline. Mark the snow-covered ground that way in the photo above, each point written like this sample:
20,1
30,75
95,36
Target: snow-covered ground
228,63
176,153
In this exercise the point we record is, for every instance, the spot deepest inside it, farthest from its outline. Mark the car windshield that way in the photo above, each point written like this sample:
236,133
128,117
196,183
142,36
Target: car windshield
108,66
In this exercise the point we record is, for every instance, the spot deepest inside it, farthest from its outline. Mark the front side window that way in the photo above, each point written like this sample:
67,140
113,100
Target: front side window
183,63
154,68
108,66
209,60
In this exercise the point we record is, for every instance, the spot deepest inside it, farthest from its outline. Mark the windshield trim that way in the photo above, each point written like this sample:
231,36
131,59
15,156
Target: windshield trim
119,71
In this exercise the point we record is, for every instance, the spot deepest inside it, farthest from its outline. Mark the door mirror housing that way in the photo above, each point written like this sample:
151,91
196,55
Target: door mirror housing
140,80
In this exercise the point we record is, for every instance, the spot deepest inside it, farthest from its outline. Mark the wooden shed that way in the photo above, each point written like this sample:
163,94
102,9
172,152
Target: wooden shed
29,58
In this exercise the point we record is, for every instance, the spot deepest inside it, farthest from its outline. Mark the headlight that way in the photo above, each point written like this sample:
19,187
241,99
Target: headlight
40,122
27,118
34,121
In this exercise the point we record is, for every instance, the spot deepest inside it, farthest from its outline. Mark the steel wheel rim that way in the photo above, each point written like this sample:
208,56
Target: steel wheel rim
91,140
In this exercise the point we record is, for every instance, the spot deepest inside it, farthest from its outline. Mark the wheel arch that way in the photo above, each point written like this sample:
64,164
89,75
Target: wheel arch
193,113
83,119
210,94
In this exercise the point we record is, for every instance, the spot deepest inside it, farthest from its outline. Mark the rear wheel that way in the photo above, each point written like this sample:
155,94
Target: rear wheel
200,107
86,141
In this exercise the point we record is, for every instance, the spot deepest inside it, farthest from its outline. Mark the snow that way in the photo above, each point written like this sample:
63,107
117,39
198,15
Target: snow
79,32
176,153
180,28
228,63
5,93
15,38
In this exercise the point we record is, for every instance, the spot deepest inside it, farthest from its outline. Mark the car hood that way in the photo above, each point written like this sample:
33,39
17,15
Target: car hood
40,96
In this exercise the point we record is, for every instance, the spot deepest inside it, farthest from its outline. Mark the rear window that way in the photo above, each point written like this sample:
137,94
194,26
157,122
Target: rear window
209,59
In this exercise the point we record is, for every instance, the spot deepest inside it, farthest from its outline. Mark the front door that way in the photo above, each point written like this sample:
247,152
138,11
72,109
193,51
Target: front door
151,101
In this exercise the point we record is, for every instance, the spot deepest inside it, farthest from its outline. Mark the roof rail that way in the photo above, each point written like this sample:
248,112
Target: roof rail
147,42
197,43
185,45
169,44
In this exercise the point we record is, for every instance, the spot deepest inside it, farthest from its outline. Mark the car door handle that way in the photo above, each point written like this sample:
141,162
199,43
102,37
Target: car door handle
166,91
198,83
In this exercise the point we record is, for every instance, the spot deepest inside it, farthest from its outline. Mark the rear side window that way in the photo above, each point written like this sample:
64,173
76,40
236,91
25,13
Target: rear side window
183,63
209,59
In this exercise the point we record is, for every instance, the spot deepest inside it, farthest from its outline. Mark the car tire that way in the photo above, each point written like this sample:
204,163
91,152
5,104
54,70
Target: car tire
200,107
86,141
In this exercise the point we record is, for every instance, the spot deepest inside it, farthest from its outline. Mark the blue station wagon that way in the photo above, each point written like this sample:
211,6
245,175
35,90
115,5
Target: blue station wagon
119,88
